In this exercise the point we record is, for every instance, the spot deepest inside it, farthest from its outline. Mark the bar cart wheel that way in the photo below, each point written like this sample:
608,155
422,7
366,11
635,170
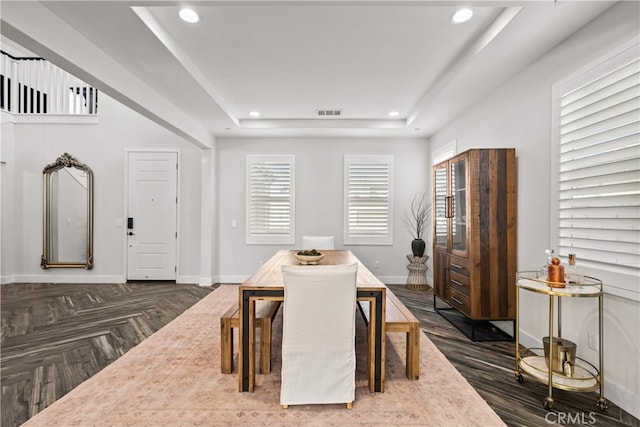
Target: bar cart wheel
520,378
548,403
602,404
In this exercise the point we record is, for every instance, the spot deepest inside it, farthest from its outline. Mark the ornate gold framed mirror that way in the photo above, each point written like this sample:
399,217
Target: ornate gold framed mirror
68,214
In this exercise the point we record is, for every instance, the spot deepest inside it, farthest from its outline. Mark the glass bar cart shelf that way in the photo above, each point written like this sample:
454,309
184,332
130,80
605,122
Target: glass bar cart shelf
585,376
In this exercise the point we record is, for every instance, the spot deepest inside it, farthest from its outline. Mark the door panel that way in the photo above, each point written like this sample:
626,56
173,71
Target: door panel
152,241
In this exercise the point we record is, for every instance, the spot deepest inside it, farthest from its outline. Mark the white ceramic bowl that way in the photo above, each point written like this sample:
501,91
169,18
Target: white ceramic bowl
309,259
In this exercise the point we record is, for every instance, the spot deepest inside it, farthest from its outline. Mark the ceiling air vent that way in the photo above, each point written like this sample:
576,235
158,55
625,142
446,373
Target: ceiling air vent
329,113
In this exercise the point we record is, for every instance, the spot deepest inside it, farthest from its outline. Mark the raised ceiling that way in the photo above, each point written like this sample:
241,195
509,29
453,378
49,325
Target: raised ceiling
288,59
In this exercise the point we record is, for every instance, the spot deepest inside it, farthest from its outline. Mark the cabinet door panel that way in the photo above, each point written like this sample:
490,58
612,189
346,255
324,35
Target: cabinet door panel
440,222
458,187
440,262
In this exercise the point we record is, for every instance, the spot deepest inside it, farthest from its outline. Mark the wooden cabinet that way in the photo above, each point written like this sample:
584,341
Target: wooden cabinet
474,233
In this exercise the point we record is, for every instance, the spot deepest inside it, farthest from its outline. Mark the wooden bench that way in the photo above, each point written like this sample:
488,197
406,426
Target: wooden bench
400,319
265,313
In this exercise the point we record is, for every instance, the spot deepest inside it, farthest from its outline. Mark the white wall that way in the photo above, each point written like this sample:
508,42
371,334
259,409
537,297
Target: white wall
518,115
319,166
6,193
28,148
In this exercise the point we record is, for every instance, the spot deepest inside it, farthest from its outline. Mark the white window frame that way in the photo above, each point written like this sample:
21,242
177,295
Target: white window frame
352,236
280,163
567,157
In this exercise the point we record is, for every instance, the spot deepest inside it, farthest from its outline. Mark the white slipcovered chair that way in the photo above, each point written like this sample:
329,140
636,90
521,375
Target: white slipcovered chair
318,242
318,335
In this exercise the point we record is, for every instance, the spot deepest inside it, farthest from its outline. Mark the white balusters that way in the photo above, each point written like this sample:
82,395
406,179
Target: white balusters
5,70
15,87
35,86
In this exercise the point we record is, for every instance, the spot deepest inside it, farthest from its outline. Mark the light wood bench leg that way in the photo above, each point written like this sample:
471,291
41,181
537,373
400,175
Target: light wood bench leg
263,321
413,352
265,346
397,321
226,346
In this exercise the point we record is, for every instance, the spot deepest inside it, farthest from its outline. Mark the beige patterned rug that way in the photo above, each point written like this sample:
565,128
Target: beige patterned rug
173,379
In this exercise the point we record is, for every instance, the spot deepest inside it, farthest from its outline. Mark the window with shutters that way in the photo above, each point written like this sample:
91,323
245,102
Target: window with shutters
598,170
270,199
368,200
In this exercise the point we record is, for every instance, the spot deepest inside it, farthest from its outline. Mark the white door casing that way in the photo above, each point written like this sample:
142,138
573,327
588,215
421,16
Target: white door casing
152,207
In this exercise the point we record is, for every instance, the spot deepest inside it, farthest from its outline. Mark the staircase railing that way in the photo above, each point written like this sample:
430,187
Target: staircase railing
31,85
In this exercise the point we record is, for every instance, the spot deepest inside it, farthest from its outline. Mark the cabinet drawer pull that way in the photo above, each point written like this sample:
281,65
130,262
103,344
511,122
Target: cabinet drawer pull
455,282
459,267
457,301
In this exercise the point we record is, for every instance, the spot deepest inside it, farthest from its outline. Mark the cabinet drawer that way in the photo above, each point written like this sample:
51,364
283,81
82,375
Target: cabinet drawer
459,282
458,300
459,265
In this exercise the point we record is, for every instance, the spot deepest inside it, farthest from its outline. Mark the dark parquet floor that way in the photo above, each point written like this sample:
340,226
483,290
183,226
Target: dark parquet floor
56,336
53,337
489,368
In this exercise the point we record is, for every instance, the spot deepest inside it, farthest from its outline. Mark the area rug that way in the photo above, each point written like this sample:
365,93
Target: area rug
173,379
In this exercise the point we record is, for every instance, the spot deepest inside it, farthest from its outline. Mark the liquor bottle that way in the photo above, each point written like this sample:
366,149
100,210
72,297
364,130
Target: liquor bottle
572,272
544,269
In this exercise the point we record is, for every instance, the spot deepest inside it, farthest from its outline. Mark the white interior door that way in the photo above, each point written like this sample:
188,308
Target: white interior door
152,216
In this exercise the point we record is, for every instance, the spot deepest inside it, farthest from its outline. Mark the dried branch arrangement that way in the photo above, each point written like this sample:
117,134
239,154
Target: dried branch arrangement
419,215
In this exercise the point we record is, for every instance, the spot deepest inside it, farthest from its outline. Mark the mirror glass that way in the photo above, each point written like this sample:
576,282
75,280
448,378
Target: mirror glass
68,214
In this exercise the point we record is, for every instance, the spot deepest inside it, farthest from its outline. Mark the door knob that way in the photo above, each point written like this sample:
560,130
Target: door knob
131,233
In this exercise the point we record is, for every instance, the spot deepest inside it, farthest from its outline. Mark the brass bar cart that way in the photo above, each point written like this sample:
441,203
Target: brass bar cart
583,376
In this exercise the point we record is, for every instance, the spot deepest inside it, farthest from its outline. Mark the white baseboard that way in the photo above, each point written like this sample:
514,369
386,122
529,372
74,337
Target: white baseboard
187,280
505,326
397,280
5,280
90,278
72,278
205,281
623,397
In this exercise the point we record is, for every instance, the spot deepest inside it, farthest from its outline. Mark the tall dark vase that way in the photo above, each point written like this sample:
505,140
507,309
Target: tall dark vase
417,247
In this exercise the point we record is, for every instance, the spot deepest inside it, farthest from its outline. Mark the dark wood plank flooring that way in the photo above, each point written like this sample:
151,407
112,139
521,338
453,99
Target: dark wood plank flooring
489,368
53,337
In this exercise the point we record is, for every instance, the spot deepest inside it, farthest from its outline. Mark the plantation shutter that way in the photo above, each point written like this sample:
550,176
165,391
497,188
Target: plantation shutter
599,166
368,200
270,201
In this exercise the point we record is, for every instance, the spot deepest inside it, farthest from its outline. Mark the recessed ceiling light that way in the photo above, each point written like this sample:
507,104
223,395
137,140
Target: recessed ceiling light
463,15
394,114
189,15
254,114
